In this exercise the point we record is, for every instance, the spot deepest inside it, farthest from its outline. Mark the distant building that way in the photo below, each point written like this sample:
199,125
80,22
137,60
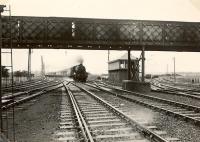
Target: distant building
118,69
104,76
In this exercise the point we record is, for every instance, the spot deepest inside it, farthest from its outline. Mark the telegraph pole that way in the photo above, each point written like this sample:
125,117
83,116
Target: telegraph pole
29,64
167,69
143,64
129,64
108,61
174,69
42,67
1,123
108,55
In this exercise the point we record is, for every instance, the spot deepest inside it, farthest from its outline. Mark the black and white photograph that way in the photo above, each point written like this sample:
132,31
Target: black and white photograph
100,71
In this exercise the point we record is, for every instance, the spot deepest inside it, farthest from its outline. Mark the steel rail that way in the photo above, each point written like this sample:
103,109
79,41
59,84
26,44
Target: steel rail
25,99
37,84
177,88
173,88
46,86
187,84
164,87
83,126
76,111
30,85
145,131
149,105
190,107
176,93
22,83
29,91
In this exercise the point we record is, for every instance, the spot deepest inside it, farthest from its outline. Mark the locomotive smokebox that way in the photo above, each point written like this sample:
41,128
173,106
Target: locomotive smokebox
79,73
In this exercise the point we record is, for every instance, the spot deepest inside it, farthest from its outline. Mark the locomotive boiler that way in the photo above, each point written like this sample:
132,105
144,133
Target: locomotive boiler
78,73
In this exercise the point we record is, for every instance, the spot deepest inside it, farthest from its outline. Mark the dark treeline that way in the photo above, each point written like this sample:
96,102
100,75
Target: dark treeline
5,72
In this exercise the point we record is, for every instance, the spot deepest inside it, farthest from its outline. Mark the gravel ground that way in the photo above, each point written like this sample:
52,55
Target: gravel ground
39,121
174,127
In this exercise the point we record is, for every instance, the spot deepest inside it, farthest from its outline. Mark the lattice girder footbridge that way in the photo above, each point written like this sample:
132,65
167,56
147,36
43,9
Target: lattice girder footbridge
100,34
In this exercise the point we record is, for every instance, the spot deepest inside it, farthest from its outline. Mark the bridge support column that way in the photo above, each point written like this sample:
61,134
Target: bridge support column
143,64
29,64
129,64
1,120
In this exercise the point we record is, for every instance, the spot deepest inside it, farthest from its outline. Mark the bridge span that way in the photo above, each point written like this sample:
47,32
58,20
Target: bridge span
99,34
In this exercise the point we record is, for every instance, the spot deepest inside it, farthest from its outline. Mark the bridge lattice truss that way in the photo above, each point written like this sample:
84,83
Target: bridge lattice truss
78,33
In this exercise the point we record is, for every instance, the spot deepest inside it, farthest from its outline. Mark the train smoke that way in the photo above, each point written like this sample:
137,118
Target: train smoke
4,2
79,60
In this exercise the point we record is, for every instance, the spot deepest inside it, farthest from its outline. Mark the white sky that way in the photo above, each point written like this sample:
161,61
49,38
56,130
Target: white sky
96,61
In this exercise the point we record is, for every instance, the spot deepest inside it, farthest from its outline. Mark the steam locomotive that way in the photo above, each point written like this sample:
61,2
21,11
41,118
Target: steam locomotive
78,73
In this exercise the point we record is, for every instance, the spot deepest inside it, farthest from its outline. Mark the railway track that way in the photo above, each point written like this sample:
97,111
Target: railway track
102,121
72,126
9,96
9,88
9,101
21,84
176,86
156,87
187,112
28,86
181,84
68,127
13,104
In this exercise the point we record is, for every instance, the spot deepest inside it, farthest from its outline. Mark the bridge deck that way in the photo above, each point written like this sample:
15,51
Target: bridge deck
99,34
